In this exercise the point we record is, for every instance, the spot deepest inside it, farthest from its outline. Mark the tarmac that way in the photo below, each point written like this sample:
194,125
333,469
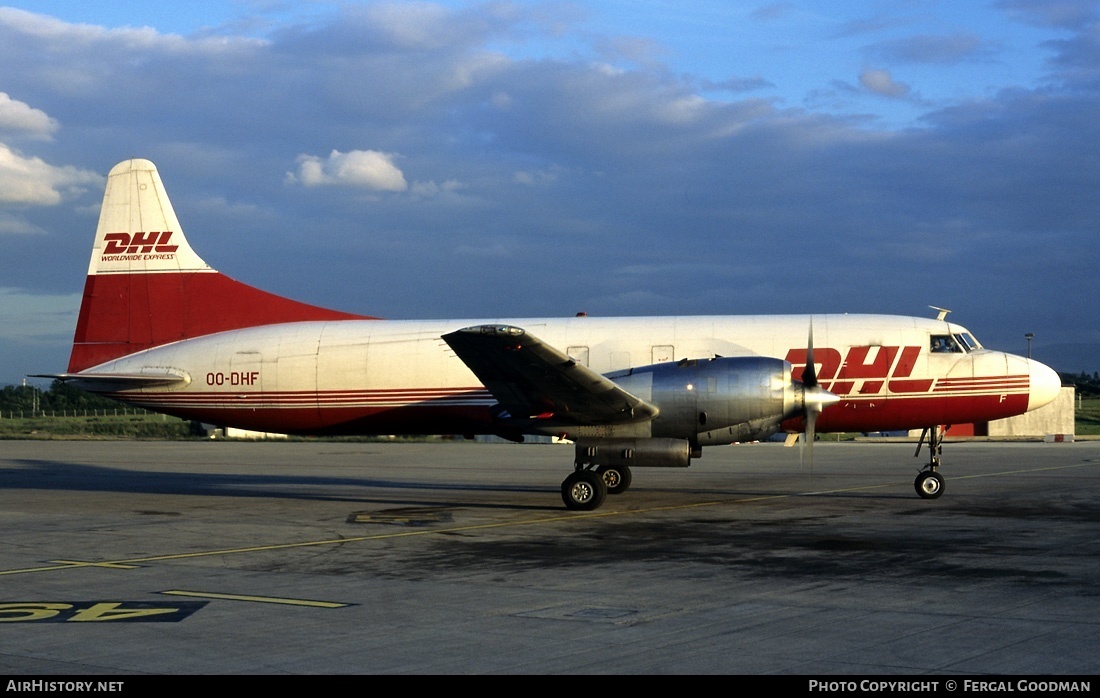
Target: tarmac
306,558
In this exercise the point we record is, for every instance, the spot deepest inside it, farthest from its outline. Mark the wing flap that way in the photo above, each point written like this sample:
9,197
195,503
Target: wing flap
533,380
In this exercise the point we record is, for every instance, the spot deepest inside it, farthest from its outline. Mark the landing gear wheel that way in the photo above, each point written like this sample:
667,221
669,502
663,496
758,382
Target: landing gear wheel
929,484
584,490
616,477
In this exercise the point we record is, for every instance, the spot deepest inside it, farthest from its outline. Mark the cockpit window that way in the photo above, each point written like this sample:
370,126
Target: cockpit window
945,344
967,340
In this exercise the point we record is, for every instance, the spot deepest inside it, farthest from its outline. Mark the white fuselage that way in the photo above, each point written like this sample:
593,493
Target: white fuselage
382,376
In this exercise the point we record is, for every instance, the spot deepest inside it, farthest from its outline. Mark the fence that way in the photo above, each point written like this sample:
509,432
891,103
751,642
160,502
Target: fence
100,412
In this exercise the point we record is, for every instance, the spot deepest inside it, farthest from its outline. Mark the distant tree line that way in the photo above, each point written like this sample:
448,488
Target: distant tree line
1086,385
60,397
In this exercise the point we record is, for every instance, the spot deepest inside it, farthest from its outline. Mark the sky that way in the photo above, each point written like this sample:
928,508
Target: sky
521,159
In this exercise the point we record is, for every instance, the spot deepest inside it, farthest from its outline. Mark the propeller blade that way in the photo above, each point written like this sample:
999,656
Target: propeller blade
809,374
814,398
811,435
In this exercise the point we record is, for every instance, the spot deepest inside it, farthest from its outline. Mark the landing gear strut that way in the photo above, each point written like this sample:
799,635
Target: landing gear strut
929,483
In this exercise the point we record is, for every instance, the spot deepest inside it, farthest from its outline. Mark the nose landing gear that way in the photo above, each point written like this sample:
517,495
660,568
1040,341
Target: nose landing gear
929,483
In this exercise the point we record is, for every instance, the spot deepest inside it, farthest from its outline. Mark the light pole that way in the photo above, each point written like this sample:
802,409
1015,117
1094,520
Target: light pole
1029,336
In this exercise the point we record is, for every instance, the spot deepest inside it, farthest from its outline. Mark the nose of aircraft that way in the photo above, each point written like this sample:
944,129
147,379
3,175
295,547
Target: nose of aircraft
1044,384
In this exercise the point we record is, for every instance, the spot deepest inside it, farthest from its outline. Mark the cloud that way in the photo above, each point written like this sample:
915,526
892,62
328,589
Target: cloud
424,26
947,49
54,34
1069,14
738,84
773,11
632,49
32,318
431,188
33,182
15,116
537,177
11,224
367,169
880,83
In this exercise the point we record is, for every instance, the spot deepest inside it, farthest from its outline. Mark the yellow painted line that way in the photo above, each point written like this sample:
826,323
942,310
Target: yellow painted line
108,565
565,516
256,599
1023,471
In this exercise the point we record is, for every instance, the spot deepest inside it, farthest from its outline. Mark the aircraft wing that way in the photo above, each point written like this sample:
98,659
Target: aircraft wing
532,379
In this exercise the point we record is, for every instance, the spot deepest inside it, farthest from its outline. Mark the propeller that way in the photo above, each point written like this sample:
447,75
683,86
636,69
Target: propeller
814,398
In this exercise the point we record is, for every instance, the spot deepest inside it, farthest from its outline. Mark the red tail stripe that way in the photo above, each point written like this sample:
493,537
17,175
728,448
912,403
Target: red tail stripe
125,313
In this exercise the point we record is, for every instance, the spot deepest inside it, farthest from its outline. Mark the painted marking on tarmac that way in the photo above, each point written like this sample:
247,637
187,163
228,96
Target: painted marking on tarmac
563,517
404,516
96,611
256,599
108,565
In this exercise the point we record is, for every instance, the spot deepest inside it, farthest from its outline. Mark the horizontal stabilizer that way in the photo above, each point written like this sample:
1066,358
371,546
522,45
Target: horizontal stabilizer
533,380
112,382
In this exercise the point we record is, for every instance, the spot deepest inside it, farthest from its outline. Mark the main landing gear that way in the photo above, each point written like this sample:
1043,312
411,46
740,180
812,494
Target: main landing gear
587,488
929,483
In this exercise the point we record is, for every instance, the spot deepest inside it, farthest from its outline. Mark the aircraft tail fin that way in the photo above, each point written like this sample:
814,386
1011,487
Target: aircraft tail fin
147,287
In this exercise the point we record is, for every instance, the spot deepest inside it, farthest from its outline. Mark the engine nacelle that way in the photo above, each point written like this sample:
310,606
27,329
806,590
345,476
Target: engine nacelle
717,401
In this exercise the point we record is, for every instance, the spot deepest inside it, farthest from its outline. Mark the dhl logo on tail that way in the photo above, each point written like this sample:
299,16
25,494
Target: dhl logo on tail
120,246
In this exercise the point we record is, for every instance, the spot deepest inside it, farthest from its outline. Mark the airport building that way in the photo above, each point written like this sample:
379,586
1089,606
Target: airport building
1053,422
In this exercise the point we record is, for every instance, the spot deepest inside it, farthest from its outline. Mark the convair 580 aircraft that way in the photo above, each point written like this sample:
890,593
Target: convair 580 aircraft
161,329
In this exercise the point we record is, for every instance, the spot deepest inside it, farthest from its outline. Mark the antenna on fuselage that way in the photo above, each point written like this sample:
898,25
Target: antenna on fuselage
942,312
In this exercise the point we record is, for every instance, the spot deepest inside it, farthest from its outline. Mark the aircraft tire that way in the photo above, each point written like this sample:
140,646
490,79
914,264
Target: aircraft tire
583,490
929,484
616,477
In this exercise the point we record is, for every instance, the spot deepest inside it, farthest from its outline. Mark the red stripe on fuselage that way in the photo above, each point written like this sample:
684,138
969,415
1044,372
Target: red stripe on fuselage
454,411
898,412
468,411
